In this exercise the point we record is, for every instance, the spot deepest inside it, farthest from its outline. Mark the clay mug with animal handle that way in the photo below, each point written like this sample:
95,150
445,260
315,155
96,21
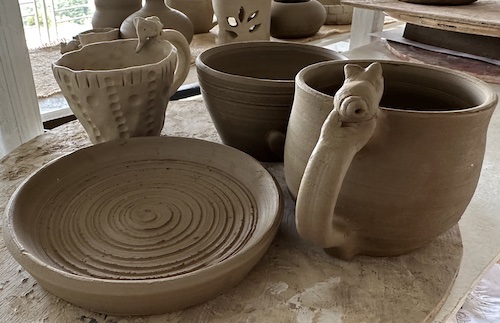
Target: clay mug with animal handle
388,159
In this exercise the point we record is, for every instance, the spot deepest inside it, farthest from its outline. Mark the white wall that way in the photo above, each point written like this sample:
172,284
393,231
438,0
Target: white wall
20,118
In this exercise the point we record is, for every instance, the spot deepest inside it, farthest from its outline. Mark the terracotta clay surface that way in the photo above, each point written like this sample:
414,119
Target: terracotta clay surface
384,181
120,89
170,18
242,20
296,18
145,225
248,89
294,281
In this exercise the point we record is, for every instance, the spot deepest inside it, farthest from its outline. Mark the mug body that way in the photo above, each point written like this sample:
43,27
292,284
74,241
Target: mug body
415,177
114,91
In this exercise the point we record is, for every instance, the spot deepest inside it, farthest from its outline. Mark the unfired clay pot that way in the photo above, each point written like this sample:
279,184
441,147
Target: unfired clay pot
120,89
384,181
296,18
144,225
242,20
170,18
199,12
248,90
111,13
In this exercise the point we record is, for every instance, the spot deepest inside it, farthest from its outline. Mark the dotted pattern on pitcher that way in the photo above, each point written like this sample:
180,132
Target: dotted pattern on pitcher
71,95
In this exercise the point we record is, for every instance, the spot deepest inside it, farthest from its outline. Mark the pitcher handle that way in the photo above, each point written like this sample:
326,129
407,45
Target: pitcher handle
183,57
346,130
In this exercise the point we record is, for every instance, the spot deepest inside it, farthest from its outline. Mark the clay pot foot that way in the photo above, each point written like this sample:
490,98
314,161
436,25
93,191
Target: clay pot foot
276,143
345,252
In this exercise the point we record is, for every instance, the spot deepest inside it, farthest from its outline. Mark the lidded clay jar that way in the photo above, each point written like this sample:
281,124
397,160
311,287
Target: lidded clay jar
296,18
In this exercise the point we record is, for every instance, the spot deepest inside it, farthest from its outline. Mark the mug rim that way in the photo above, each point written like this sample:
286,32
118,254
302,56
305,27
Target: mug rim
489,96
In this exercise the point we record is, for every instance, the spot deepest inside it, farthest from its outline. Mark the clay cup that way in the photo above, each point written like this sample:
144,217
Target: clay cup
248,90
383,180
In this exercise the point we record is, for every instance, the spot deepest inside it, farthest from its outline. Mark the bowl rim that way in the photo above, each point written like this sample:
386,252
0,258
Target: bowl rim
202,66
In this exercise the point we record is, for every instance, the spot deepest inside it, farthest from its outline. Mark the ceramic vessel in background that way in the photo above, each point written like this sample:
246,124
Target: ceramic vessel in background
242,20
248,90
97,35
296,18
199,12
144,225
117,92
111,13
170,18
384,181
337,13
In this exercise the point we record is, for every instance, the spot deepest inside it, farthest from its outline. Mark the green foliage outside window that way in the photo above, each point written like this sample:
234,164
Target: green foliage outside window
28,12
72,12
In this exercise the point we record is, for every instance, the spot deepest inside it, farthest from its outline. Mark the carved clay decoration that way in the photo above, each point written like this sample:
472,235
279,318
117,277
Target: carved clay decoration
242,20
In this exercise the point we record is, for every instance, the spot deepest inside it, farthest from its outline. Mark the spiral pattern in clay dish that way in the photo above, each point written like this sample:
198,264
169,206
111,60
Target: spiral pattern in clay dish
147,219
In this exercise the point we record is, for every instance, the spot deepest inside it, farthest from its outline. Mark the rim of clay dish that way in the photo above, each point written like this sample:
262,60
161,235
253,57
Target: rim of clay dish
57,64
240,46
489,96
236,260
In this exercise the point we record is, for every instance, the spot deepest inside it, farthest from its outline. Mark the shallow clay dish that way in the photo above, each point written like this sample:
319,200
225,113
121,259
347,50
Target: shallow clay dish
144,225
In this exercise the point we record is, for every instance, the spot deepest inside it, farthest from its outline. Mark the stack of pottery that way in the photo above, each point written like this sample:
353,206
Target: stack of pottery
296,18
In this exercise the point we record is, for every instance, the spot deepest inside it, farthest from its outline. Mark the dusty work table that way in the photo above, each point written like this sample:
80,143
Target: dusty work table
294,281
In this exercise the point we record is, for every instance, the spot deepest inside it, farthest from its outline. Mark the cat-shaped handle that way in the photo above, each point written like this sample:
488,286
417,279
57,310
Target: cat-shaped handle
347,129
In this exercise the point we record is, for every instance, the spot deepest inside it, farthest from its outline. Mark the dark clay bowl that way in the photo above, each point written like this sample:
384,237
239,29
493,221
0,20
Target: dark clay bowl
248,89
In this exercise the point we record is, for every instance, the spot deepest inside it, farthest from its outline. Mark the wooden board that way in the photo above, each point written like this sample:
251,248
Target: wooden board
481,17
294,282
484,71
